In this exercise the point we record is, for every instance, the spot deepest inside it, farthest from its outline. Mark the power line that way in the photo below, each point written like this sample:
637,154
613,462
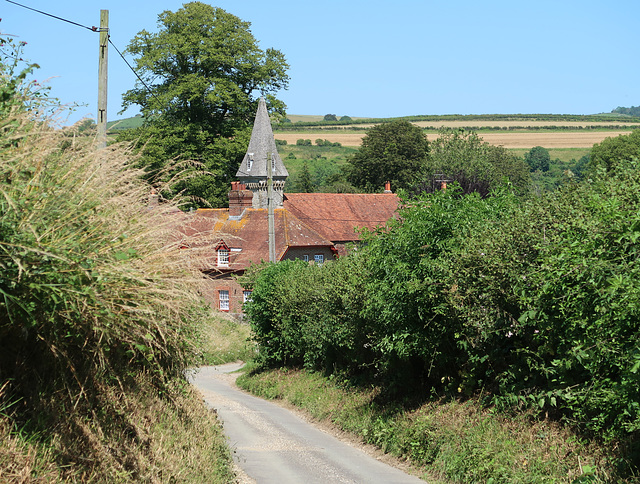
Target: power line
134,71
93,29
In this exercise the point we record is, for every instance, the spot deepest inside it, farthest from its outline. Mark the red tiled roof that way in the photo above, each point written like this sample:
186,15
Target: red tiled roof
250,233
336,215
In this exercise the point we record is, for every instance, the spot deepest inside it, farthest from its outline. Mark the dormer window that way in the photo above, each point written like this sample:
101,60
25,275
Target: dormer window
250,161
222,251
273,163
223,257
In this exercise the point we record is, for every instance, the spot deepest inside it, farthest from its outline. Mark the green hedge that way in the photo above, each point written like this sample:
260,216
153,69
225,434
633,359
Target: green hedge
531,303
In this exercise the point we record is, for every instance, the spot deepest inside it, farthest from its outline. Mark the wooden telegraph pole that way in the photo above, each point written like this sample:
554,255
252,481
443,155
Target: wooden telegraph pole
270,214
102,79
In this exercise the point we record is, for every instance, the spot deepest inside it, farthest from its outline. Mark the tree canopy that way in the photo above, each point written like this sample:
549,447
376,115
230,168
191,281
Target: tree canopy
611,151
538,158
202,74
476,165
394,152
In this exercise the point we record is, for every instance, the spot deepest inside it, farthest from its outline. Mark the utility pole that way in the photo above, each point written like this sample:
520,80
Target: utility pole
102,78
272,231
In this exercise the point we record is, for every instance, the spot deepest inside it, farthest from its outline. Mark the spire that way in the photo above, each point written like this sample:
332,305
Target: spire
254,164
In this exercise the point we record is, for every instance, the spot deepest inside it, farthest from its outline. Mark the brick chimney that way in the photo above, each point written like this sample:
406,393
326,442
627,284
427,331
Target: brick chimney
387,187
239,199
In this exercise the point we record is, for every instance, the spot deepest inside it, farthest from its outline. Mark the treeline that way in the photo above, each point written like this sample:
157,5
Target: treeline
455,117
632,111
524,303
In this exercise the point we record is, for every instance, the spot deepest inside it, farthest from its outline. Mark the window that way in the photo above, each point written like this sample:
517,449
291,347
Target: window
305,257
246,296
250,161
273,163
318,258
223,299
223,257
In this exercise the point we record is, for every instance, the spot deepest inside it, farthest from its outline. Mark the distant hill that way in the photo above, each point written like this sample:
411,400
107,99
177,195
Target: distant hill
126,123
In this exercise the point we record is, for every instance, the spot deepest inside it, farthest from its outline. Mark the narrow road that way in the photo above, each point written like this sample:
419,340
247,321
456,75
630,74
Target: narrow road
273,445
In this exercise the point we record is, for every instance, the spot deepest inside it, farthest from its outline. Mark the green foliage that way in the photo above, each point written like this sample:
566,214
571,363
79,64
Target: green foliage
305,183
532,303
201,71
462,157
202,67
330,117
305,314
538,158
612,152
206,168
632,111
394,152
17,92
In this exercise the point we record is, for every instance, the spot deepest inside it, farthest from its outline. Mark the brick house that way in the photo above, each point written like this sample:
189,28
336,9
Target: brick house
315,227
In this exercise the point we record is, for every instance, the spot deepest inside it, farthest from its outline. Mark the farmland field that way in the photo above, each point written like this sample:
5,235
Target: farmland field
516,139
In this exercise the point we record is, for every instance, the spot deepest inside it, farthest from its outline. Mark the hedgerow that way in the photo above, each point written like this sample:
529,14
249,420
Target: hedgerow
532,304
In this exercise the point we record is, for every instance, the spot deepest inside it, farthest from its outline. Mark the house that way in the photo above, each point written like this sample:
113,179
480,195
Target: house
315,227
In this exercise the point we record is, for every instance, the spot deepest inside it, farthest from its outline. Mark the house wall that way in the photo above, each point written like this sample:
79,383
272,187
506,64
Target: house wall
299,252
216,283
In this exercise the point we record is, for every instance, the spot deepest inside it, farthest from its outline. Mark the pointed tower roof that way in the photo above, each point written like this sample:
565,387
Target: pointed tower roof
254,163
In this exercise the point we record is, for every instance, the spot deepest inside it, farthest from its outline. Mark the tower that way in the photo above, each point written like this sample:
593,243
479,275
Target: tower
253,170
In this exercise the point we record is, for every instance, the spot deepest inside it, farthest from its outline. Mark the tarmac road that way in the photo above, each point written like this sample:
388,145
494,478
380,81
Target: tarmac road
273,445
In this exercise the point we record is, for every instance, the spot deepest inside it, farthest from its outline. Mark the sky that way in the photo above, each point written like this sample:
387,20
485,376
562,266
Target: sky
373,58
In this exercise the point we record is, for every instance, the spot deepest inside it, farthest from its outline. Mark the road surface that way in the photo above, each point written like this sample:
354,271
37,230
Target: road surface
273,445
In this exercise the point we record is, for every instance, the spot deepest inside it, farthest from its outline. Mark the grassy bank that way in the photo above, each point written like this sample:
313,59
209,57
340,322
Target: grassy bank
99,318
447,441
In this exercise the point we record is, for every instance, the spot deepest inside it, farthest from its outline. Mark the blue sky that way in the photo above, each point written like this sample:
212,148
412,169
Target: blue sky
376,59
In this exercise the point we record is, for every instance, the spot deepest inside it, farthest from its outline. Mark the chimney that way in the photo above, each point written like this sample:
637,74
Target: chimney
387,187
153,198
239,199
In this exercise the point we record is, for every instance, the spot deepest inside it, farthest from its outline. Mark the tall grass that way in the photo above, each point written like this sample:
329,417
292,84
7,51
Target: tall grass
99,309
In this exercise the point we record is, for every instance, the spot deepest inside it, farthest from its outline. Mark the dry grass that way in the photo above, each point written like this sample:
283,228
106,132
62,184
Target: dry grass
225,340
99,312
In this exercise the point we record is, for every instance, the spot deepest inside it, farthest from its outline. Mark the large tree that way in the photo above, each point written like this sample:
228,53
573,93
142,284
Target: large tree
394,152
477,166
538,158
201,75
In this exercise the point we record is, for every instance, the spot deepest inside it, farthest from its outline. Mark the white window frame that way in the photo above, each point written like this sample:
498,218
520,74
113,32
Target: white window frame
318,259
305,257
246,296
223,300
223,257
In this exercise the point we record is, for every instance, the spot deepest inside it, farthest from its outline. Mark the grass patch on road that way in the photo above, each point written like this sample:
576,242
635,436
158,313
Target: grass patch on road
448,441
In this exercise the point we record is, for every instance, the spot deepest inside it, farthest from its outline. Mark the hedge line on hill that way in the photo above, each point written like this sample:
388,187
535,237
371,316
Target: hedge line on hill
530,303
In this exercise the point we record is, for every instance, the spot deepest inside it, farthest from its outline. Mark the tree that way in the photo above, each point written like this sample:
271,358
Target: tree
611,151
538,158
202,71
330,117
305,183
394,152
477,166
